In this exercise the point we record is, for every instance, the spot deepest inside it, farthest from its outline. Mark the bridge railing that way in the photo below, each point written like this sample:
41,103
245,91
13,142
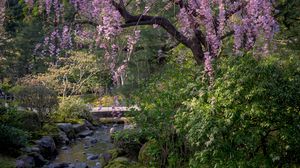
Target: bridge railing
111,109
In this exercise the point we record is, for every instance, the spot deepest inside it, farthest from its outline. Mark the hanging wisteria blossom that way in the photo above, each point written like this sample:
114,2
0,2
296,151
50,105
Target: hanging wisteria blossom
202,25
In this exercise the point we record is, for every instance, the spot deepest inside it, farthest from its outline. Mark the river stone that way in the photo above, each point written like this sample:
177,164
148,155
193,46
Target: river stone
97,165
64,148
79,128
78,165
85,133
112,130
39,160
47,146
89,125
68,129
25,161
85,146
31,149
107,157
104,126
92,157
57,165
93,140
128,126
35,149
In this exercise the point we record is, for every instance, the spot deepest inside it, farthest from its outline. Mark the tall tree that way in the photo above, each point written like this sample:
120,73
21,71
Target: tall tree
201,25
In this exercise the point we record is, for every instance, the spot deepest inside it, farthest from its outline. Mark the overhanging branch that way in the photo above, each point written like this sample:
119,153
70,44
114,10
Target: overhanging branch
136,20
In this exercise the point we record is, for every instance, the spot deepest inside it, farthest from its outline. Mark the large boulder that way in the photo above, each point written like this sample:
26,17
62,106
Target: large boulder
63,138
47,147
39,160
30,149
25,161
68,129
79,128
89,125
92,157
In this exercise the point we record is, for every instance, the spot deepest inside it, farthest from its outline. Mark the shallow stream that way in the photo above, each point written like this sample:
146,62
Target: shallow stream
81,149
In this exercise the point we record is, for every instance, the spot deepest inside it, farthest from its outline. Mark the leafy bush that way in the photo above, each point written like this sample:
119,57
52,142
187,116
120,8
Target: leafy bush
150,153
72,108
130,141
25,120
11,137
36,97
158,99
48,129
249,117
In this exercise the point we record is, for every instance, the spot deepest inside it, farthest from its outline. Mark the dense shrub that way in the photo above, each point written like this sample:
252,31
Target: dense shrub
11,137
36,97
130,141
72,108
158,99
248,117
149,154
25,120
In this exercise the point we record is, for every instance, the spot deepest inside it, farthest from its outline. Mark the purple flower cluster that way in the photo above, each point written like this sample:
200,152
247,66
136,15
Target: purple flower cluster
256,22
250,20
110,20
185,21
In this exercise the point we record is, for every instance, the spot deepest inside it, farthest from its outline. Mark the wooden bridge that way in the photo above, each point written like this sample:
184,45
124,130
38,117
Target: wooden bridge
107,112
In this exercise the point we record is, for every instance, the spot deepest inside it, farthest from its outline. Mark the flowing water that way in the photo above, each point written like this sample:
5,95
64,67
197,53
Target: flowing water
79,150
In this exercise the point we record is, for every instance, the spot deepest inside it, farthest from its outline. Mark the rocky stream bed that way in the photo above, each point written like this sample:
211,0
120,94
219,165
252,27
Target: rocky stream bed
77,146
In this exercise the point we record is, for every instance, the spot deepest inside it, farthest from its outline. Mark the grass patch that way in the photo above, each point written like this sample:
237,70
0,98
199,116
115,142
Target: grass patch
7,162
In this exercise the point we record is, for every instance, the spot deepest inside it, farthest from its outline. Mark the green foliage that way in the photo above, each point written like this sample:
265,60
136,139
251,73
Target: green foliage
36,97
289,18
25,120
77,73
48,129
130,141
150,153
7,162
72,108
249,117
11,137
158,100
123,163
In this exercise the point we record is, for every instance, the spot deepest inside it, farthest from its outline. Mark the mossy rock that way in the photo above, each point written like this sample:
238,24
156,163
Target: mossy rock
123,162
148,153
110,155
114,153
